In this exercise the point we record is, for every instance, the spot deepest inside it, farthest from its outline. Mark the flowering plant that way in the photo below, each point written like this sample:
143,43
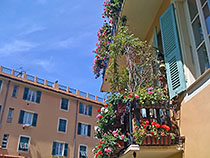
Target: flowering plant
106,120
150,129
109,143
111,13
148,96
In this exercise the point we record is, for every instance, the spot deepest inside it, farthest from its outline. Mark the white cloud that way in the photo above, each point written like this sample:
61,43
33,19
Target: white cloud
47,65
72,41
16,46
32,29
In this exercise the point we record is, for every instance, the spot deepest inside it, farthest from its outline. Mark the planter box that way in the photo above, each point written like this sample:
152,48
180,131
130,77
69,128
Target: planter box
164,140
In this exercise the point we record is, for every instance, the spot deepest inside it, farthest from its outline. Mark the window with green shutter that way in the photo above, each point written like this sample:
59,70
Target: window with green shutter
32,95
172,53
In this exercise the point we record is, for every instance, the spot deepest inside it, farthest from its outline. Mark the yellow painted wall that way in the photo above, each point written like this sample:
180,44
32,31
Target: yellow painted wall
43,135
195,125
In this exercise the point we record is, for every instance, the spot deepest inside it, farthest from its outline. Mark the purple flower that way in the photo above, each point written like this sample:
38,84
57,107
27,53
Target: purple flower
150,88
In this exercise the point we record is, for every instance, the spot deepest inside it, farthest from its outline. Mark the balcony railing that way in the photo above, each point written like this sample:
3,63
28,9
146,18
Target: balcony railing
34,79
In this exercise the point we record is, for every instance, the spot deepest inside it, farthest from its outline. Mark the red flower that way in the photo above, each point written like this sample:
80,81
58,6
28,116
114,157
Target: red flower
152,132
102,142
147,122
167,128
99,146
98,110
157,125
96,155
153,123
124,96
105,105
99,152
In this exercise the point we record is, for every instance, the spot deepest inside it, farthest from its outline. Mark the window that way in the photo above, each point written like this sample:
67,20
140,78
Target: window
10,115
28,118
64,104
84,129
60,149
82,151
0,108
15,91
4,141
0,85
24,142
62,124
32,95
85,109
199,12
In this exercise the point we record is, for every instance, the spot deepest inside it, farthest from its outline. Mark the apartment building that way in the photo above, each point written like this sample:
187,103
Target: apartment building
42,119
180,31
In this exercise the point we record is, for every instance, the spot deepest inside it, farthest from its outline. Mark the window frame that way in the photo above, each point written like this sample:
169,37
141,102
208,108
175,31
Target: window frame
6,143
28,143
192,37
63,150
59,124
79,150
88,108
10,121
26,111
1,86
16,91
82,123
67,105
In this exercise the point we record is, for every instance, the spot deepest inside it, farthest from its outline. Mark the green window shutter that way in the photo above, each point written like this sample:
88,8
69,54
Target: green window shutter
89,130
25,93
79,128
38,96
90,110
54,148
66,150
34,122
21,117
80,108
155,41
172,53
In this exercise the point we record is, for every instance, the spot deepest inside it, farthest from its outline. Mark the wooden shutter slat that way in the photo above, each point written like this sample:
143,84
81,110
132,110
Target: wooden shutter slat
172,53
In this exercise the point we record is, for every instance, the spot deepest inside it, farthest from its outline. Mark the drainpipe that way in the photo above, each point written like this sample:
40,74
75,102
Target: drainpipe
75,131
5,102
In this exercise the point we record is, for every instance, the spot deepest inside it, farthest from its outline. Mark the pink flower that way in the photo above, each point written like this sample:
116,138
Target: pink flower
122,136
150,92
105,134
116,135
99,116
109,149
136,96
130,95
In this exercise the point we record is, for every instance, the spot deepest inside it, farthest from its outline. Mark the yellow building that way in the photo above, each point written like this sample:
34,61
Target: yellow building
180,29
42,119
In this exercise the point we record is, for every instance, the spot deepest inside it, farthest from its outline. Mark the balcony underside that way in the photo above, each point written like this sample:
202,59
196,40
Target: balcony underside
151,151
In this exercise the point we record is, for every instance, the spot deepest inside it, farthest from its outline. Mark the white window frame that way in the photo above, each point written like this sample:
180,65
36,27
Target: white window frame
31,93
83,113
26,111
192,38
86,129
60,142
7,140
28,143
59,124
79,149
67,105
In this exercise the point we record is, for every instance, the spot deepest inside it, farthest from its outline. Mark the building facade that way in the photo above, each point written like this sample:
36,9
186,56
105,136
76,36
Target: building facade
41,119
180,31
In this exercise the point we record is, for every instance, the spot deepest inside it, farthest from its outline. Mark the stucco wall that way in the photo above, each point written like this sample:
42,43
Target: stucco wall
43,135
195,126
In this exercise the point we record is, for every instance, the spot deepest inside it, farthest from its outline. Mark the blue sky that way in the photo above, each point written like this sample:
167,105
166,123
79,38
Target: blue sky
52,39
